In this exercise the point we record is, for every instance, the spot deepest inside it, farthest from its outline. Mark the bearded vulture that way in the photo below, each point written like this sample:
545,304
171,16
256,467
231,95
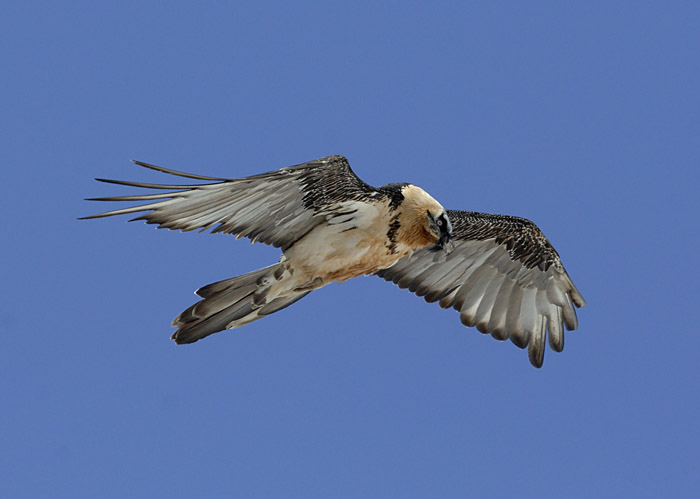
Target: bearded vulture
499,272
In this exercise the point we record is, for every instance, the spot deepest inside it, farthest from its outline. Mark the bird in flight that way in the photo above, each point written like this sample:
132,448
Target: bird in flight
499,272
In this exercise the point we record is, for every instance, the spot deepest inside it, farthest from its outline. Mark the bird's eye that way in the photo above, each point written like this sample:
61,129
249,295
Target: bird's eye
440,222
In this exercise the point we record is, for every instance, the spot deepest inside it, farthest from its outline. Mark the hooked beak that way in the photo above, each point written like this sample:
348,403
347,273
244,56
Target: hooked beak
445,242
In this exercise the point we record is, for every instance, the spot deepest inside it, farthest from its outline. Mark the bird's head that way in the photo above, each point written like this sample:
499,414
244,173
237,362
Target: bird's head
424,222
441,227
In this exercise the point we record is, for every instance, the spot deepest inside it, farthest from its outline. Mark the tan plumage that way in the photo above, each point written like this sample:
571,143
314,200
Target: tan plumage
499,272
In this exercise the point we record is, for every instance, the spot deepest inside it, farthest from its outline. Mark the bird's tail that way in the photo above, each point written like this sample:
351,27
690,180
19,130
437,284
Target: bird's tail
232,303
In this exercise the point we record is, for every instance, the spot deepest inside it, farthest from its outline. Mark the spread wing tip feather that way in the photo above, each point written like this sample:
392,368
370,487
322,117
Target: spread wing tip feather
577,298
175,172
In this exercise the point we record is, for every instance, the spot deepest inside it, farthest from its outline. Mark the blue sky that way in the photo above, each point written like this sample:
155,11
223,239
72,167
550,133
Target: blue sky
580,116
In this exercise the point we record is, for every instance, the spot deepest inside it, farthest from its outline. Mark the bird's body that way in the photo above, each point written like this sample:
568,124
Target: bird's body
347,246
503,275
355,240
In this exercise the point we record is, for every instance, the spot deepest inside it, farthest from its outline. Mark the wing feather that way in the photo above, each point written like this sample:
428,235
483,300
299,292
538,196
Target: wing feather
277,207
513,321
503,276
497,320
476,287
556,333
528,313
536,348
570,319
488,300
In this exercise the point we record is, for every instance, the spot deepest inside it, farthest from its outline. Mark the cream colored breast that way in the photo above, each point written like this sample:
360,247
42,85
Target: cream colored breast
348,246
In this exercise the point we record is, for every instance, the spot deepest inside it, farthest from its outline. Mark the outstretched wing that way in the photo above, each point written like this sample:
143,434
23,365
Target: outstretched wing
275,208
503,276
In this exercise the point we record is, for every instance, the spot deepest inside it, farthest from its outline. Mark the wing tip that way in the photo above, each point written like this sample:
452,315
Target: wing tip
92,217
536,359
577,298
176,172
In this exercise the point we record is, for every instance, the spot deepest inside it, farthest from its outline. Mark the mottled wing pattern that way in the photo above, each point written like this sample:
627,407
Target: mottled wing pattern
275,208
503,276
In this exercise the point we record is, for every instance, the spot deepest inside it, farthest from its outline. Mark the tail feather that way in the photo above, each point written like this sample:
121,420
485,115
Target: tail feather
238,281
231,303
216,303
279,303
